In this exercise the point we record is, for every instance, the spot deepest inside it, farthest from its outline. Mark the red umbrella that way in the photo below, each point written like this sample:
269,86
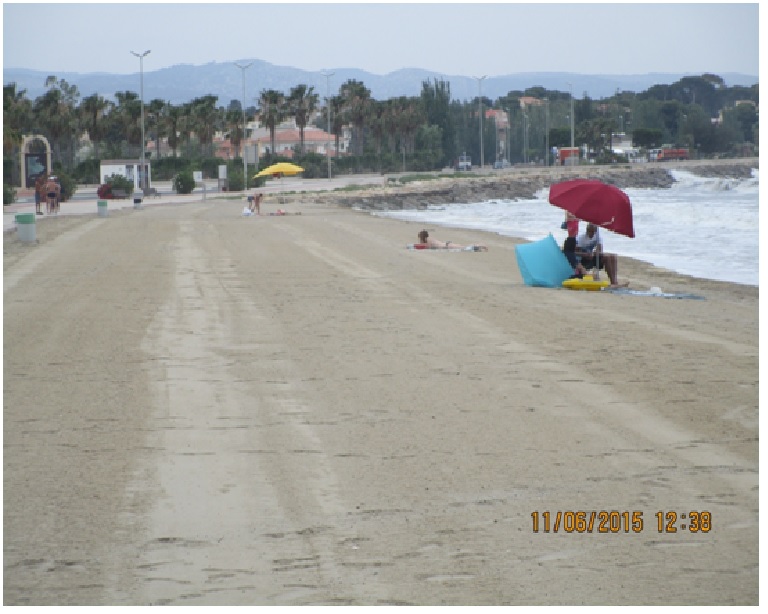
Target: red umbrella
594,201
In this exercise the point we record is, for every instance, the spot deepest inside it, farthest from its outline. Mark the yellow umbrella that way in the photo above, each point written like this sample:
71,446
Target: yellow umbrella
281,168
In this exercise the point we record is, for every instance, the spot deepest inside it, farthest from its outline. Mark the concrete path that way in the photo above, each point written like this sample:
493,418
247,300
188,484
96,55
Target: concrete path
85,202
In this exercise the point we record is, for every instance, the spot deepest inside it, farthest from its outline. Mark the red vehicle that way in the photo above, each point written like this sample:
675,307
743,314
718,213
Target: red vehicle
568,156
672,153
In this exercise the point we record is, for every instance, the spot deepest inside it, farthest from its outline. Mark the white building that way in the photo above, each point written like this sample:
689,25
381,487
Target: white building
130,169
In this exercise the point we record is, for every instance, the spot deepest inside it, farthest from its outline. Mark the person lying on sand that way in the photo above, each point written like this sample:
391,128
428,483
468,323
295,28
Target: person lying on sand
435,244
281,212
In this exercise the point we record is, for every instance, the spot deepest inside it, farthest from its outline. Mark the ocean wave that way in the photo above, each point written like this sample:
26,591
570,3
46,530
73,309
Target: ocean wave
685,180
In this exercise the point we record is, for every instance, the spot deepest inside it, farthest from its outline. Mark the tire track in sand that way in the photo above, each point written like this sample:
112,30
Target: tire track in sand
241,491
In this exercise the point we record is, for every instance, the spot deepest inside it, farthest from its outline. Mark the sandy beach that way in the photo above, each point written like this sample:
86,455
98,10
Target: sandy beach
207,409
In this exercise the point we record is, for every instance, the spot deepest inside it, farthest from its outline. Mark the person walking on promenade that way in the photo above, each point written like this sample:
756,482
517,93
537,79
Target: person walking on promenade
39,191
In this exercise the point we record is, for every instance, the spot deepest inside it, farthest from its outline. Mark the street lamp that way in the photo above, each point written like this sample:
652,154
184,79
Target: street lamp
142,172
480,102
546,132
327,76
242,140
525,137
570,86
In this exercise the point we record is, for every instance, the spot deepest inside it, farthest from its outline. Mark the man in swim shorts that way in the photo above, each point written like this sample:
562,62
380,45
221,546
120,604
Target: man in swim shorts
52,191
589,246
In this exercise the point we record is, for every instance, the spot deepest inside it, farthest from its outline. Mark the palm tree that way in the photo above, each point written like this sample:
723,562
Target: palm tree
93,110
17,116
337,121
357,107
17,120
156,110
377,123
205,118
233,121
127,118
272,105
55,111
411,117
172,119
303,102
186,125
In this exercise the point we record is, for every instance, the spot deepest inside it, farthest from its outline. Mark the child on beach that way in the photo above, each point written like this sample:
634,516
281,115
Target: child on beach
255,206
571,224
39,194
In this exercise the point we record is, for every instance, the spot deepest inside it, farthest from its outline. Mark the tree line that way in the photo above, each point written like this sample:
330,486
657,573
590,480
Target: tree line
425,132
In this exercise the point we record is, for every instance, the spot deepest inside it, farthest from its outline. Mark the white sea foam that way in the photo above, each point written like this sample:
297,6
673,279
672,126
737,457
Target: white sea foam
704,227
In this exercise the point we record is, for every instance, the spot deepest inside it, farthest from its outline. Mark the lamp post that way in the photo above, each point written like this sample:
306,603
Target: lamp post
480,103
242,140
508,144
327,76
570,86
525,137
142,172
546,132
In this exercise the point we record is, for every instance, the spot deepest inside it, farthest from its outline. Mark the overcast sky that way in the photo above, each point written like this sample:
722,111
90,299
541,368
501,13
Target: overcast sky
449,38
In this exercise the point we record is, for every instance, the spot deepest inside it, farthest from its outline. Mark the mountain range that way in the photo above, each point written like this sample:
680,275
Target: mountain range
184,82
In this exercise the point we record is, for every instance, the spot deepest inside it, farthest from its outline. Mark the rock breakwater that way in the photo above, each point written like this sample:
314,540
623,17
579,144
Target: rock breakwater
515,184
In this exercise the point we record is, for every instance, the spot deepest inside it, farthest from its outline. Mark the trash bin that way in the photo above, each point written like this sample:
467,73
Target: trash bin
138,196
26,227
101,206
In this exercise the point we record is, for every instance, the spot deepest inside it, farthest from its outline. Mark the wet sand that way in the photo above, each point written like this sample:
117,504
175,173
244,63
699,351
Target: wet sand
206,409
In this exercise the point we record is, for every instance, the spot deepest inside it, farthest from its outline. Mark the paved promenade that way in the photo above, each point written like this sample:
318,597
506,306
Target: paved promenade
82,204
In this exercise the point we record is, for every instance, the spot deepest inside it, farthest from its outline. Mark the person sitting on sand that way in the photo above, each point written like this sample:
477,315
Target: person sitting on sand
589,247
435,244
569,251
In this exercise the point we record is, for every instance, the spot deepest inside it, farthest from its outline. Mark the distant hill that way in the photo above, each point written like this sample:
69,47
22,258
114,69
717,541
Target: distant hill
184,82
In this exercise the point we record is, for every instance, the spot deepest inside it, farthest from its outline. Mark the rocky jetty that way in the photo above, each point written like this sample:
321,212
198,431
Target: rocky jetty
525,183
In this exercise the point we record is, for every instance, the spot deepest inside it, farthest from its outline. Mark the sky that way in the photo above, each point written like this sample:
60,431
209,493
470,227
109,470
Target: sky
451,38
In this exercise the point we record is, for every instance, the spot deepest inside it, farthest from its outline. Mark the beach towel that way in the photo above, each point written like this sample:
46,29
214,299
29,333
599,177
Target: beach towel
424,246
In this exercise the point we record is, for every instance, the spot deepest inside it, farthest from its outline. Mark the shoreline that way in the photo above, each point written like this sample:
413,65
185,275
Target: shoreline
643,274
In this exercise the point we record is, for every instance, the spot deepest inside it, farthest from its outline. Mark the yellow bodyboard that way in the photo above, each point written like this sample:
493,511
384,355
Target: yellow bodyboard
586,283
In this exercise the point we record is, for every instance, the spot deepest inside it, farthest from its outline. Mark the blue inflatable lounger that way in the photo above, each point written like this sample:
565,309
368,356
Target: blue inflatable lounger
542,263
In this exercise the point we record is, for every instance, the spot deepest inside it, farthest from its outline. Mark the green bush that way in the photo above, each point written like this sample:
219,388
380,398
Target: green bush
120,182
315,165
9,194
235,179
165,169
68,185
87,172
184,182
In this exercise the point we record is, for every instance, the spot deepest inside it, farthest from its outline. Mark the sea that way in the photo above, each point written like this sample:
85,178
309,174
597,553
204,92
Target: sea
703,227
